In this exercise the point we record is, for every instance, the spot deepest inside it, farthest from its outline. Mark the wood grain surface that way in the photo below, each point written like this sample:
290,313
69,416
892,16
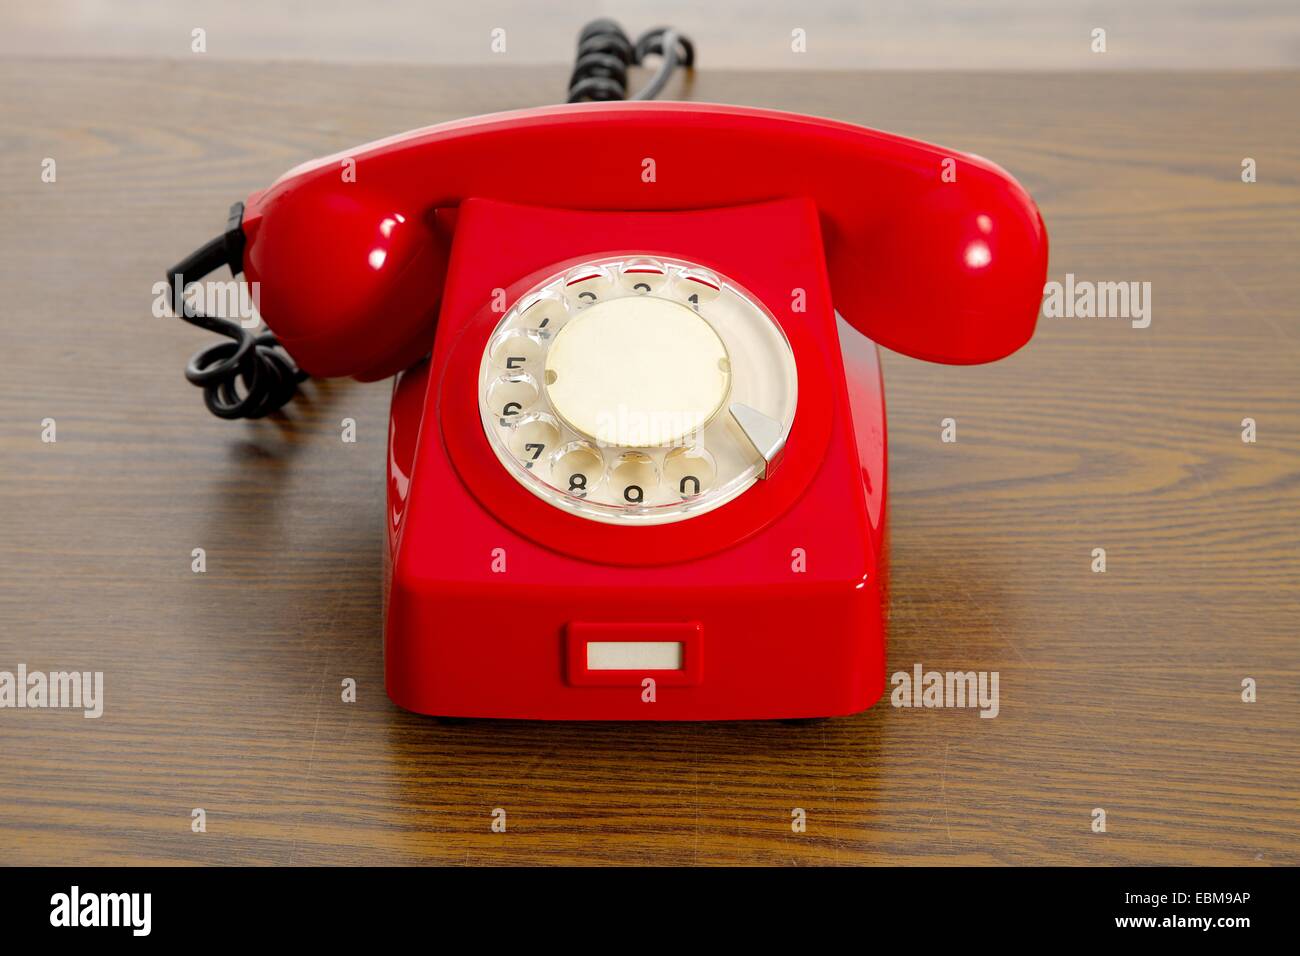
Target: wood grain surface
1119,691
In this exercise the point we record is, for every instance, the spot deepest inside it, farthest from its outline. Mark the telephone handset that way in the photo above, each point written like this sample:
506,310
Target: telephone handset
641,473
931,253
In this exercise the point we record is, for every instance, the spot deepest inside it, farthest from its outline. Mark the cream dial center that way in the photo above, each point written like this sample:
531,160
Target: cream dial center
637,371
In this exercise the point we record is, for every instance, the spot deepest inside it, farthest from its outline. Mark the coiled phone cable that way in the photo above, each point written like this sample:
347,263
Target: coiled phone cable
256,361
605,53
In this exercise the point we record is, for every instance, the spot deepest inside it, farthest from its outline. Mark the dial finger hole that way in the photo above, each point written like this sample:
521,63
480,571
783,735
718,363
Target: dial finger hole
544,316
576,468
643,276
511,395
533,438
698,287
587,286
517,351
689,471
633,477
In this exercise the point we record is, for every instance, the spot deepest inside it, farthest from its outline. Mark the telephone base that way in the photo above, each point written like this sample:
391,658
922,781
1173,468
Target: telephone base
499,605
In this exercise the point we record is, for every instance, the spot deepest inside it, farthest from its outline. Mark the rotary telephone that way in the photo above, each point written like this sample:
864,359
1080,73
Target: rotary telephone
636,457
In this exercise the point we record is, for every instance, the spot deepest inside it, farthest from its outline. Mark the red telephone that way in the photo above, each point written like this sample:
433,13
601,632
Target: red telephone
641,474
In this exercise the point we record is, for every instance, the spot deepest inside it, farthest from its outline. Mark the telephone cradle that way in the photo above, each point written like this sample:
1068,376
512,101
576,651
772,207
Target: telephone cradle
636,456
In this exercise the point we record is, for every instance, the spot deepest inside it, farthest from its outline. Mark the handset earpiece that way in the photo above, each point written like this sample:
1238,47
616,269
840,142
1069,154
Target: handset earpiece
950,272
348,276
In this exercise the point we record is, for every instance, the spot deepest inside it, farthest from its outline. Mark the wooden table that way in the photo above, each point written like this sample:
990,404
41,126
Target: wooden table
1118,690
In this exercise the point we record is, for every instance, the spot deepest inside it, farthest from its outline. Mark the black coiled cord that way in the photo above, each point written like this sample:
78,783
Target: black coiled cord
605,53
255,361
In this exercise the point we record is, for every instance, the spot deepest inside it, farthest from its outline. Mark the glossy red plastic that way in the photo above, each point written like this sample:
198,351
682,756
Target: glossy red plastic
784,582
372,259
529,238
933,253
